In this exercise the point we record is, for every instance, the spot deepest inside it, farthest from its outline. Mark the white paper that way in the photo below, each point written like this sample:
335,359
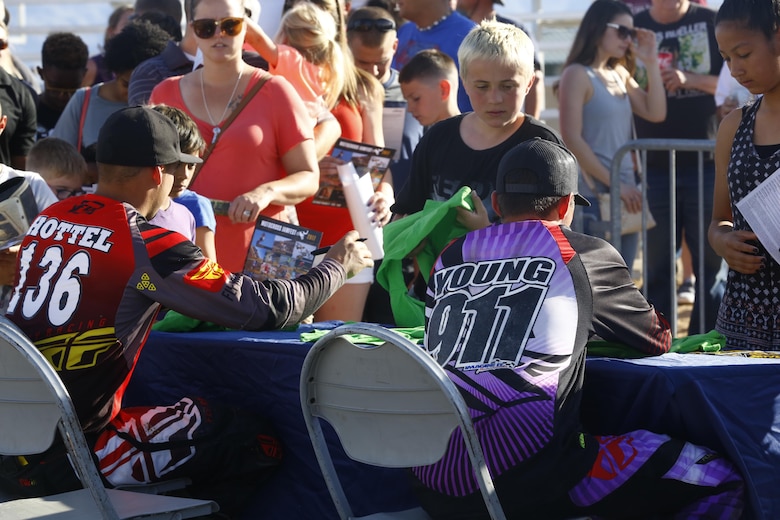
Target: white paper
393,118
357,191
761,209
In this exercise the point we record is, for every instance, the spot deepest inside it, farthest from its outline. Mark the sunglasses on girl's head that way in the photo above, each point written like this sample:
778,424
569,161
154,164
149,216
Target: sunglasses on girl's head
623,31
364,25
205,28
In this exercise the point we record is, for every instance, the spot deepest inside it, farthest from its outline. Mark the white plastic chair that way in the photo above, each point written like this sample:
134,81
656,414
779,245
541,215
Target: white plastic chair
391,405
34,404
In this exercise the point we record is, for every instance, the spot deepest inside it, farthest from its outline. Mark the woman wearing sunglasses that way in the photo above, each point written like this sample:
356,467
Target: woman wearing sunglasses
265,160
597,96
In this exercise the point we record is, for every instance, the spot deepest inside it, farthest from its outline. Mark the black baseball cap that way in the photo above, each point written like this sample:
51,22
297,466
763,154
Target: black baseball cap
539,167
140,136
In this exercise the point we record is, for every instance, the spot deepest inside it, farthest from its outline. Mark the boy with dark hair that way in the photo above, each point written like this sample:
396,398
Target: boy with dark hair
64,58
88,109
199,206
429,83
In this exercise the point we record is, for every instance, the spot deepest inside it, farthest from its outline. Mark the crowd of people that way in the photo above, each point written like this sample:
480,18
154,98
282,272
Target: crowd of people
152,161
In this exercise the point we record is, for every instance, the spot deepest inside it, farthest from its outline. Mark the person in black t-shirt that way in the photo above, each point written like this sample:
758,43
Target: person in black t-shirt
496,67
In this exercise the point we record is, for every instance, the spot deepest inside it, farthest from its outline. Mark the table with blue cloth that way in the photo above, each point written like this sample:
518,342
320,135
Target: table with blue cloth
727,403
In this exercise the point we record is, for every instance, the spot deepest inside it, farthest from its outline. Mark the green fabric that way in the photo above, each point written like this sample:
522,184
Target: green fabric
436,222
413,334
713,341
177,322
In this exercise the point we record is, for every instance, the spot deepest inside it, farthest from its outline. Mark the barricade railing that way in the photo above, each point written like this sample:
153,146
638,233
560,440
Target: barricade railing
671,146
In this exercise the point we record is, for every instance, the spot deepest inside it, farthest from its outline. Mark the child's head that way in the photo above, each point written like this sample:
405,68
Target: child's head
429,82
497,69
503,44
373,40
190,141
749,40
63,65
60,164
312,32
136,43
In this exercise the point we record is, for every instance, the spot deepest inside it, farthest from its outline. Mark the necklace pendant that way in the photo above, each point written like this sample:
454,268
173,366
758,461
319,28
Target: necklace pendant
216,131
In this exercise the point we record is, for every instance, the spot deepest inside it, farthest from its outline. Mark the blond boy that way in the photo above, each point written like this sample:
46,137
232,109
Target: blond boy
61,166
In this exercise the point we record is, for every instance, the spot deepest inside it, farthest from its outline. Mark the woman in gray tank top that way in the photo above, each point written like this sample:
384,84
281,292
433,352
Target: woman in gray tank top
597,96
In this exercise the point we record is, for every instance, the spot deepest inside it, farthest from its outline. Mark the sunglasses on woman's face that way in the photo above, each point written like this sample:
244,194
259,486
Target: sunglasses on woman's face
364,25
623,31
205,28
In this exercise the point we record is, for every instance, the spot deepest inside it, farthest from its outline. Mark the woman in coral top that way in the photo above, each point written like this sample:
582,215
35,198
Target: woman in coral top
266,159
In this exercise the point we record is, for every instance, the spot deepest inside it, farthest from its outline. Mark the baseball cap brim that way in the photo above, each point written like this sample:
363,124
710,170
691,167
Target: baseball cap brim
579,200
193,159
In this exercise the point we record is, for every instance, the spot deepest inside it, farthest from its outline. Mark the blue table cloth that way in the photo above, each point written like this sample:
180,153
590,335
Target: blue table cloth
729,404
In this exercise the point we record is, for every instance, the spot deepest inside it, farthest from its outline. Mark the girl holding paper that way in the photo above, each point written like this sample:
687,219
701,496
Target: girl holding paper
747,152
359,112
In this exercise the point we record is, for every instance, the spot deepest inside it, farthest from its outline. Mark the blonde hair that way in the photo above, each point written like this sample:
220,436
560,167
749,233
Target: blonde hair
313,33
500,42
52,157
358,86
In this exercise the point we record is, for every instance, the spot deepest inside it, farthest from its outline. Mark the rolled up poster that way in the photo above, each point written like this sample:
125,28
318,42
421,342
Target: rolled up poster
357,190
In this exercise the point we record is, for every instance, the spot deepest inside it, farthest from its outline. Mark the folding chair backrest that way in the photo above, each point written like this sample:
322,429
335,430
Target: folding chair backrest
385,405
34,403
391,405
29,411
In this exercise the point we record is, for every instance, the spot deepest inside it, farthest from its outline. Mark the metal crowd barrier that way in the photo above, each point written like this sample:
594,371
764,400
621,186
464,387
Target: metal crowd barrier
672,146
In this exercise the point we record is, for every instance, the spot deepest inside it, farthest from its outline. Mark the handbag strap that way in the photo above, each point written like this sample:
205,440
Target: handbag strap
84,108
226,123
636,153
